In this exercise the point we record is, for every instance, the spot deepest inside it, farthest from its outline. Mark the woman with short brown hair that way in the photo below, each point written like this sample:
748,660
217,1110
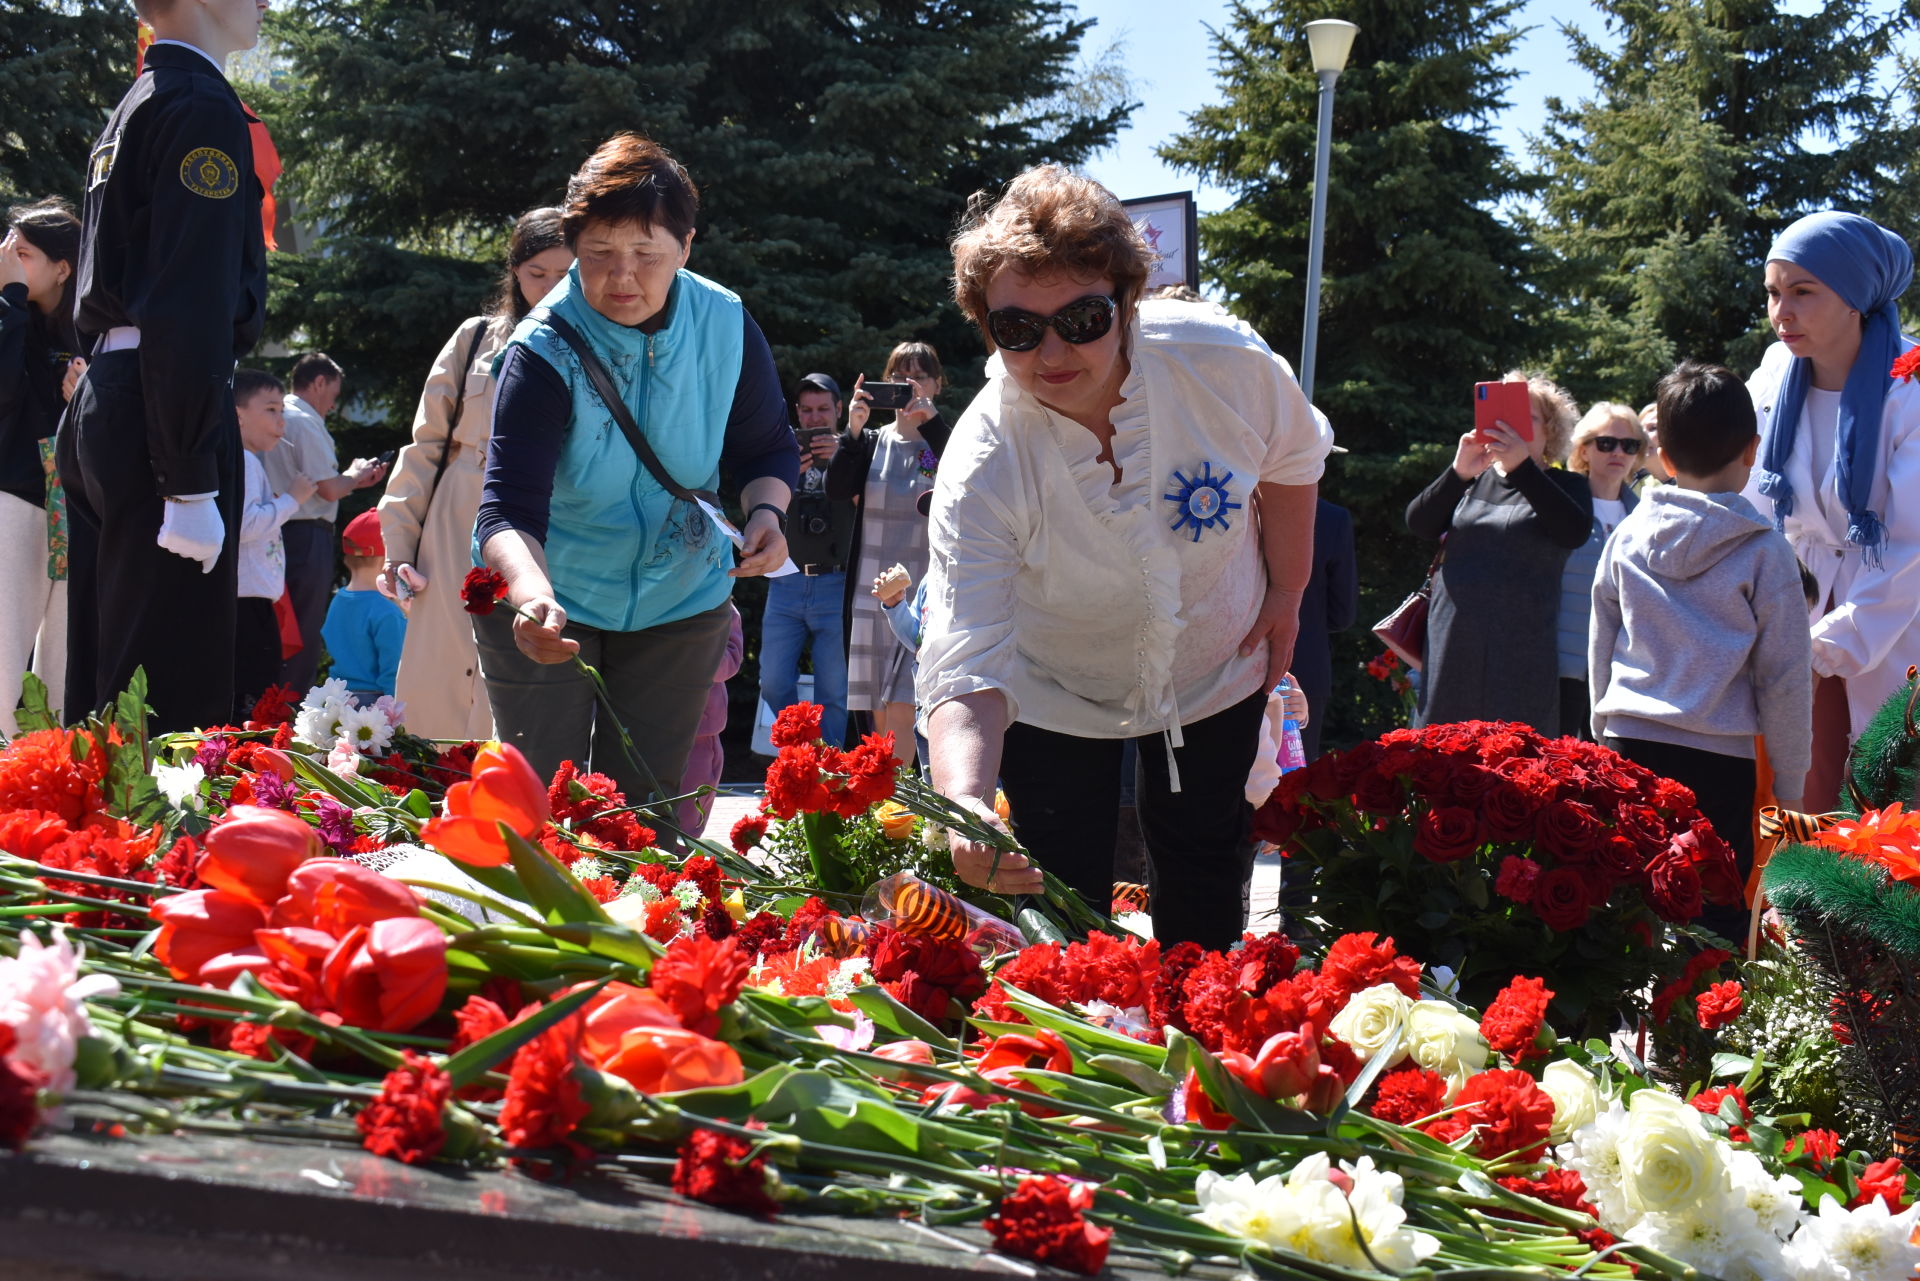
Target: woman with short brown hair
596,513
1121,533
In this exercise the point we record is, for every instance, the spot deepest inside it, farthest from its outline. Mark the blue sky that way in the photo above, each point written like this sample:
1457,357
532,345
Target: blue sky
1170,57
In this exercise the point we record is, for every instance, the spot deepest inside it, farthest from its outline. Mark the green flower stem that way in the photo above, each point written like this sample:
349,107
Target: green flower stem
10,865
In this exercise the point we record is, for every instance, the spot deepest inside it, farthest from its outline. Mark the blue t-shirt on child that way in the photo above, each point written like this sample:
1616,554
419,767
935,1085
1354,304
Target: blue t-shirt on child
363,632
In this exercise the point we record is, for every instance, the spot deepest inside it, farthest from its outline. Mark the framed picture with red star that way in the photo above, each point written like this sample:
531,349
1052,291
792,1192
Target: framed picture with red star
1171,224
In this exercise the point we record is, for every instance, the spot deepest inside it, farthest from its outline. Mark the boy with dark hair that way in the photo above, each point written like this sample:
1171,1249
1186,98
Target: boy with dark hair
258,404
171,289
1699,639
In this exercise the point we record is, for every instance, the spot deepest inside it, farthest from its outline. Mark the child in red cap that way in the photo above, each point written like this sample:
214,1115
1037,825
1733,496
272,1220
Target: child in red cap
364,630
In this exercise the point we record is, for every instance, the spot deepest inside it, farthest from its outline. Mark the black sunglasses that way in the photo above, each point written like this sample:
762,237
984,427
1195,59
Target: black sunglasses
1083,320
1607,444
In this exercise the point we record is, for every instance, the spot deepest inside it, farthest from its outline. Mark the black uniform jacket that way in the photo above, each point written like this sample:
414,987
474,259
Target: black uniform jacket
173,244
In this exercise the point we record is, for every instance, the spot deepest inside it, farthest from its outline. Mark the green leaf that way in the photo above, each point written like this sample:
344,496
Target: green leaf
1726,1065
1765,1140
1135,1073
1038,926
1079,1032
470,1064
550,887
34,714
615,942
1077,1089
870,1126
879,1005
417,804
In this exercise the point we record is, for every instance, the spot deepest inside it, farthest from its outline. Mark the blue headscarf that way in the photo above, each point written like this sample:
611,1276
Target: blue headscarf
1869,267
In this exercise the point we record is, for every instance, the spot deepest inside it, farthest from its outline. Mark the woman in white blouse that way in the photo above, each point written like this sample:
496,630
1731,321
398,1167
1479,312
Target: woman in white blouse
1839,467
1121,532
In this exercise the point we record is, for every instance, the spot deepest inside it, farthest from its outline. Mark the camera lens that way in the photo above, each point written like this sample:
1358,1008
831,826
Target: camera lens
816,524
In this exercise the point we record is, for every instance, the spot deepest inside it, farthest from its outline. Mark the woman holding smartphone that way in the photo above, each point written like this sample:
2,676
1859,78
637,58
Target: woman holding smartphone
888,469
1509,521
426,514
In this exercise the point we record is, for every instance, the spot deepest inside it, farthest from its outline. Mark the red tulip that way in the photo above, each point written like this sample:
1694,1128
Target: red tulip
336,894
253,852
199,925
388,976
632,1034
1288,1064
906,1052
286,962
503,789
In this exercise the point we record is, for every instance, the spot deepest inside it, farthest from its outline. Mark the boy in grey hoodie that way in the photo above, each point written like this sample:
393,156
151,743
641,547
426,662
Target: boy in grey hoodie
1699,639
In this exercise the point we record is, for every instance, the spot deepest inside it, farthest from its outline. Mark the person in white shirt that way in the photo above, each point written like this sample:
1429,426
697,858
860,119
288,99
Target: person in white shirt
1609,446
258,401
1122,530
1839,468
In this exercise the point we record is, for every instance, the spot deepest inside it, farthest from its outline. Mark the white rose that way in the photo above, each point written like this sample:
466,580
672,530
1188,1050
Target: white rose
1441,1039
1668,1161
1575,1095
1372,1019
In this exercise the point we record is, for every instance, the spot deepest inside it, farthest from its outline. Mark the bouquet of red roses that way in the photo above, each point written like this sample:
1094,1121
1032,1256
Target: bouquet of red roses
1492,849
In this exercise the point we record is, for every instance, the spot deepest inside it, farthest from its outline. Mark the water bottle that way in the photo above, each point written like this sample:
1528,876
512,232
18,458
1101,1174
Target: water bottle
1293,752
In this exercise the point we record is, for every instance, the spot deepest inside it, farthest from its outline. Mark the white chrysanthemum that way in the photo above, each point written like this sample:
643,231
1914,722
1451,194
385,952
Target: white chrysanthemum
1372,1019
689,896
41,995
1309,1214
180,784
1377,1203
588,867
1868,1243
366,728
1575,1094
1669,1160
1717,1236
1443,1040
1255,1210
1774,1201
318,724
848,975
330,693
1593,1152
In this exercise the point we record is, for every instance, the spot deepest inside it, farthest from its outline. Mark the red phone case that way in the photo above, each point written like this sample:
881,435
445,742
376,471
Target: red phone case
1505,402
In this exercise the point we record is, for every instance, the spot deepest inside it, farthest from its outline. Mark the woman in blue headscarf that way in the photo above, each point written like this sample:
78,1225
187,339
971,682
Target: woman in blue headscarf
1840,466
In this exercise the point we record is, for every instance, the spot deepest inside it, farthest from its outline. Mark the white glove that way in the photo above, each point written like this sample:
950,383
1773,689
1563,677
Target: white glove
192,528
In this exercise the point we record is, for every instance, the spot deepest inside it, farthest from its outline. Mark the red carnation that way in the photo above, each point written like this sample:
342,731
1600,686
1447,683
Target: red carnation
1355,963
1506,1110
405,1121
1512,1022
483,589
1562,899
1819,1147
1720,1004
1906,364
1885,1180
797,725
19,1095
1447,834
697,978
715,1168
1517,879
1044,1219
1558,1186
544,1100
748,832
1409,1095
275,707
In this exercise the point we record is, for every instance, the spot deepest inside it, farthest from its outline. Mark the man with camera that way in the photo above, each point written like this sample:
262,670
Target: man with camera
804,610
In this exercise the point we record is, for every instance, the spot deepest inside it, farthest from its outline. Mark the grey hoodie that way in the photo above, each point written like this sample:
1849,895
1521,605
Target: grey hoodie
1699,634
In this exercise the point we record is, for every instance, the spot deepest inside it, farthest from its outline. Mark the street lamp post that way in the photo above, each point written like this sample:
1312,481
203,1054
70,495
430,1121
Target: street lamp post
1330,39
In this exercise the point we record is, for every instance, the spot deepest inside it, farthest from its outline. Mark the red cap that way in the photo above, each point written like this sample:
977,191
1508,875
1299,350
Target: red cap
361,537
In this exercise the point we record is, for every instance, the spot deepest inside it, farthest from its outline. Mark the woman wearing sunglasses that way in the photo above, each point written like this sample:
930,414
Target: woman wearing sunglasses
1122,528
1609,448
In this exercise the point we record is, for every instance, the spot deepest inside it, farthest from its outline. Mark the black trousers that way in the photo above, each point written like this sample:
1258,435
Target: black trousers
256,653
309,545
130,603
1065,794
1724,788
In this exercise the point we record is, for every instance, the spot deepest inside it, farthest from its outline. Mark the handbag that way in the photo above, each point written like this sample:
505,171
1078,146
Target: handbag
604,388
453,421
1404,631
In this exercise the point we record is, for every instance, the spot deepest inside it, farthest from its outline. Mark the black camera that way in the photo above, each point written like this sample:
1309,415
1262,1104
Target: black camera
815,524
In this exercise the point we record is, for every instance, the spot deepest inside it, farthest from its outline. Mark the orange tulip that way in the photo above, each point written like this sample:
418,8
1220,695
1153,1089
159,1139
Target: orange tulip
503,789
254,851
199,925
634,1035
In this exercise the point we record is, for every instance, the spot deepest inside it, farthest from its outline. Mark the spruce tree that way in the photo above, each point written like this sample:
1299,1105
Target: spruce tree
62,68
834,141
1425,287
1712,126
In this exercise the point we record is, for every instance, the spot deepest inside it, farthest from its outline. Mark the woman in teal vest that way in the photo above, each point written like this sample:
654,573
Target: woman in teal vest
608,555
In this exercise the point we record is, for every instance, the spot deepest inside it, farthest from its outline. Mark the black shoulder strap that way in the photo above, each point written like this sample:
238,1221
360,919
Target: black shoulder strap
459,403
604,388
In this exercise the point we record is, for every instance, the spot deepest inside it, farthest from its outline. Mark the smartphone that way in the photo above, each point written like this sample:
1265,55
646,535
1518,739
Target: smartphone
1502,402
895,396
386,459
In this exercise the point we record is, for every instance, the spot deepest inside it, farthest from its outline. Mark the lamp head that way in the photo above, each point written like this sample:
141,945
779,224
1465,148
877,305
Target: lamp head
1331,39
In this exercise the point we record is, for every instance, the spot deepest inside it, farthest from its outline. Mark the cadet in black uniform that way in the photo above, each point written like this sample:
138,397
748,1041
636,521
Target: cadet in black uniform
172,290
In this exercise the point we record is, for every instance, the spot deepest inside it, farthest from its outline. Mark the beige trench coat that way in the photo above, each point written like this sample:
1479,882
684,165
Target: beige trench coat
439,677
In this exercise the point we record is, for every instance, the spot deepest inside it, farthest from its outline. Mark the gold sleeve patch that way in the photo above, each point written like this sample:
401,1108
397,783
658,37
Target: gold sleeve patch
100,162
209,172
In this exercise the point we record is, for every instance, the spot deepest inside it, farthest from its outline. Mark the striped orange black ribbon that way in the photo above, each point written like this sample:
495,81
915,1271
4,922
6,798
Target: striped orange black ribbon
1777,823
